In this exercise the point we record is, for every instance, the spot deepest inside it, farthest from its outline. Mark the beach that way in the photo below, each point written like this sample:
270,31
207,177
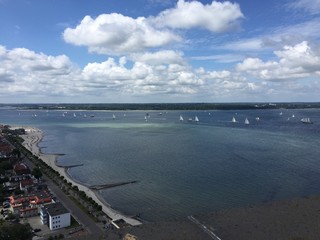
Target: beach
31,139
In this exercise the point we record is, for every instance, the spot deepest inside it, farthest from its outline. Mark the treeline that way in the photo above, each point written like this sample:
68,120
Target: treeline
167,106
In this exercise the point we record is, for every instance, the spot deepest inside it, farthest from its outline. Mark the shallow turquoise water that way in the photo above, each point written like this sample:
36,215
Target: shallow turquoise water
185,168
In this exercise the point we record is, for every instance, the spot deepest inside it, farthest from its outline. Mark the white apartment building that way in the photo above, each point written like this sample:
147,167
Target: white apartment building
55,215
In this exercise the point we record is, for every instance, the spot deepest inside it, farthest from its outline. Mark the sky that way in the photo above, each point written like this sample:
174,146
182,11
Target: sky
150,51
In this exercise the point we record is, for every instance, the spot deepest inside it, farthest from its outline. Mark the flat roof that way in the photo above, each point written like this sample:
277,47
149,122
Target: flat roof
55,209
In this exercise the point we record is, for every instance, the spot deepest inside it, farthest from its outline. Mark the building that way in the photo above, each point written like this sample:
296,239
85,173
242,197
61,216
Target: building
28,205
55,215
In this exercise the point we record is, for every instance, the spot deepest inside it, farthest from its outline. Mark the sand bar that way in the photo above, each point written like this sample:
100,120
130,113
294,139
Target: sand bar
31,139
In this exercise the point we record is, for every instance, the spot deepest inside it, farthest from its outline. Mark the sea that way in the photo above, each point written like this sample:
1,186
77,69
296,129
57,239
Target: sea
184,167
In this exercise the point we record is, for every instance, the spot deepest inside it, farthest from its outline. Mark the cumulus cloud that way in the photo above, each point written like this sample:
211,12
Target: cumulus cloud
117,34
22,70
295,62
143,78
215,17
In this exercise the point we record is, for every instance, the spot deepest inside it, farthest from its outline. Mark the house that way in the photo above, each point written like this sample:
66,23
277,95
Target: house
55,215
28,205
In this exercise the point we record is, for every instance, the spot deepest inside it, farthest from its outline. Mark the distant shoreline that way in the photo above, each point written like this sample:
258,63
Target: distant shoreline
31,140
165,106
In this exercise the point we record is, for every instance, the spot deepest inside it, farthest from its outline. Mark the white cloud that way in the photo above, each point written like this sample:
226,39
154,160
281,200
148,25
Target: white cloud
22,70
160,57
117,34
310,6
276,38
295,62
144,78
220,58
215,17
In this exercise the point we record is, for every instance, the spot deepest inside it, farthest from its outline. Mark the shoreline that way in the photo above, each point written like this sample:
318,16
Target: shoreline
31,139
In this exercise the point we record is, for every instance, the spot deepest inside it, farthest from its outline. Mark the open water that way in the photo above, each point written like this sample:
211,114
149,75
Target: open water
184,168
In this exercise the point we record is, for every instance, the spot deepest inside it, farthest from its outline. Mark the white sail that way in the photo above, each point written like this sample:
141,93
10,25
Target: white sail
293,115
74,115
233,120
306,120
113,116
196,119
181,118
246,121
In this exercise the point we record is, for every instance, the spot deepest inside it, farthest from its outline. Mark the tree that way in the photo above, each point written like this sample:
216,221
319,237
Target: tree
10,231
16,153
36,172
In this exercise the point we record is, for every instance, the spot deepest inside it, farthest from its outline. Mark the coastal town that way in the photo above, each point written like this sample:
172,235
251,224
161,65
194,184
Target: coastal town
37,197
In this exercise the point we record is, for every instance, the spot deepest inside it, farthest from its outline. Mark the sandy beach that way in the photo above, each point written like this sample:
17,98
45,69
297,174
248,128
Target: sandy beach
31,139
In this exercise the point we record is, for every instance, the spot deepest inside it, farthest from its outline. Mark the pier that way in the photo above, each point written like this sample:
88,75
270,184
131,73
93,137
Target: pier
110,185
71,166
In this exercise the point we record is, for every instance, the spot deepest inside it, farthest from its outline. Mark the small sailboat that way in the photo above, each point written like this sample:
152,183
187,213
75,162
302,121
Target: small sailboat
74,115
196,119
146,118
293,116
280,113
306,121
246,122
113,116
233,120
63,115
181,118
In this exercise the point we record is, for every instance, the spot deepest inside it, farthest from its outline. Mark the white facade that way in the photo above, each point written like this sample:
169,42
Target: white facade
55,215
59,221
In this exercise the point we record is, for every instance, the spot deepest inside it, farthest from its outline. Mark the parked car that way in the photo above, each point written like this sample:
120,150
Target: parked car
36,230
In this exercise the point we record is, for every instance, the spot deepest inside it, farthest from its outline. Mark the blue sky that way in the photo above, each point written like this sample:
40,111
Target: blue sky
84,51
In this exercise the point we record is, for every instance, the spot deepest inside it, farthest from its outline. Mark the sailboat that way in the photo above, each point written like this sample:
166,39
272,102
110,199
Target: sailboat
181,118
74,115
246,122
196,119
233,120
113,116
145,118
306,120
293,115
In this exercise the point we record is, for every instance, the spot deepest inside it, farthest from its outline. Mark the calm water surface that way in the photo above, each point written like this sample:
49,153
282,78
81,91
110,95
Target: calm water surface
184,168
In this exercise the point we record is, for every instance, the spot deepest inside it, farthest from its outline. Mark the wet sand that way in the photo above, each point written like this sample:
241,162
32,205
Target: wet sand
31,139
295,219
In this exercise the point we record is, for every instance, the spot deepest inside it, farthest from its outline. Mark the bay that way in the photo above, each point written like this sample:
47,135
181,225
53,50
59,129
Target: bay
184,168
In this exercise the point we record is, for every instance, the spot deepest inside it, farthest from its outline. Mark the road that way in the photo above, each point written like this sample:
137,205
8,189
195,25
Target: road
95,231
